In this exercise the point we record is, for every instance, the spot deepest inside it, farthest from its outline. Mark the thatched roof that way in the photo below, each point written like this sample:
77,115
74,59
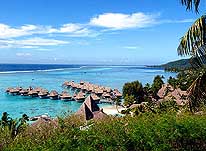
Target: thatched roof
65,95
66,83
85,112
43,92
87,108
53,93
97,115
45,121
80,95
13,90
180,96
95,97
164,90
23,91
90,102
32,92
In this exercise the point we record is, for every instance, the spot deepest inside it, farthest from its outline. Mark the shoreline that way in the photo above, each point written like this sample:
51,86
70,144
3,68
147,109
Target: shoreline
112,110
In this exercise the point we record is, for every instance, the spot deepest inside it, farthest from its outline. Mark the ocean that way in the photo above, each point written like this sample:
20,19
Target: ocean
51,77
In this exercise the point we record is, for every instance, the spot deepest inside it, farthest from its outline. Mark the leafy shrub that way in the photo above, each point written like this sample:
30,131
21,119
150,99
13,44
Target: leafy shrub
146,132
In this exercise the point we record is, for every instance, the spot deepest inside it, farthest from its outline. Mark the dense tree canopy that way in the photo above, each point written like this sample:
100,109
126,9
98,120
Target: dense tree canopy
134,89
157,84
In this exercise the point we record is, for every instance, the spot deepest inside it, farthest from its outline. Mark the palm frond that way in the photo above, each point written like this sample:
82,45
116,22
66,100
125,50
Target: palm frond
190,4
193,43
197,91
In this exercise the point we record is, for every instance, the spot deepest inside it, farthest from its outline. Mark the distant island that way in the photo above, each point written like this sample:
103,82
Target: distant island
175,66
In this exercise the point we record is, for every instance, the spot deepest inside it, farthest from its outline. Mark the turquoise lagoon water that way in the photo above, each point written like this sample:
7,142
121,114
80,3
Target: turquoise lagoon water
112,76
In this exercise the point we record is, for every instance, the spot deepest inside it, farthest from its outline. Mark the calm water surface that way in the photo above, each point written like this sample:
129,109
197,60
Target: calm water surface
112,76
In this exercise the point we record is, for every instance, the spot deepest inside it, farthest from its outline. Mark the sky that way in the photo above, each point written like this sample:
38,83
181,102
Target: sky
123,32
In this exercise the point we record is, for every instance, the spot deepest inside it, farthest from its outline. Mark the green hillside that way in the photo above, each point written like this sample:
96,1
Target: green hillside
175,65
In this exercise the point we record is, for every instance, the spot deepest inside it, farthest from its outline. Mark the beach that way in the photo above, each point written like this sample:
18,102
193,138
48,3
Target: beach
112,109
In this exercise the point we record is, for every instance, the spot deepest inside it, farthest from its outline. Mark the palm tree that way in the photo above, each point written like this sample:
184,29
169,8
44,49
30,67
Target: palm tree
193,44
117,103
190,4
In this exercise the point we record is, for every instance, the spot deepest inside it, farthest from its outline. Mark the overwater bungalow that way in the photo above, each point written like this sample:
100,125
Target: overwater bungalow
14,91
118,95
106,95
24,92
43,94
33,93
90,88
19,88
81,82
95,98
53,95
74,85
66,84
99,92
80,97
108,89
38,89
65,96
78,86
84,88
8,90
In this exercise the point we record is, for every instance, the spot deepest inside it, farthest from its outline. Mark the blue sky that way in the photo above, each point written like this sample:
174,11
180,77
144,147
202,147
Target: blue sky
92,31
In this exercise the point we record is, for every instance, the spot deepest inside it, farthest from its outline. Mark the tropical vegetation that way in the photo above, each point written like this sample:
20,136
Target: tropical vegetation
165,130
154,125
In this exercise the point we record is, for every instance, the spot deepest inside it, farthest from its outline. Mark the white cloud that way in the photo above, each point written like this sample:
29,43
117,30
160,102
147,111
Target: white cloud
176,21
75,30
123,21
69,28
41,42
27,36
9,32
21,54
31,43
131,47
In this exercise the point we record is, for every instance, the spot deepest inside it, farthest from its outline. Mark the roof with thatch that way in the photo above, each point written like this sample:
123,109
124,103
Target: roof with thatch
45,121
65,95
164,90
80,95
88,108
32,92
99,115
85,112
53,93
13,90
90,102
23,91
43,92
95,97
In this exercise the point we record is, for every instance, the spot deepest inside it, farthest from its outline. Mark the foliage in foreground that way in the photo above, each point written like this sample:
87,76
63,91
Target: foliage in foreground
169,131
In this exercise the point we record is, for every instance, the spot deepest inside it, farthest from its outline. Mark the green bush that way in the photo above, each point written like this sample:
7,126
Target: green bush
146,132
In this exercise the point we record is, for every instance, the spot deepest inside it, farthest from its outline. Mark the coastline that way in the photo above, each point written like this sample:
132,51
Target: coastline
112,110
